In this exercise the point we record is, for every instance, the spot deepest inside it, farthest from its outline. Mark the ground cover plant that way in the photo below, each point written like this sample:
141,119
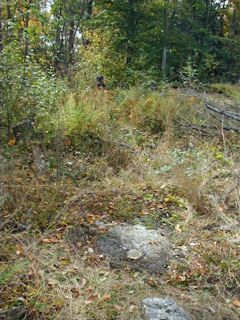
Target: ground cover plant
122,156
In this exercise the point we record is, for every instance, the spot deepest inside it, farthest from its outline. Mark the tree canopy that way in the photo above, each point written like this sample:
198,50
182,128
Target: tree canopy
126,40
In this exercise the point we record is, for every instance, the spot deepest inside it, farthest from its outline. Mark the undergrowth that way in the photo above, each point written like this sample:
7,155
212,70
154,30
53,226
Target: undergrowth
119,158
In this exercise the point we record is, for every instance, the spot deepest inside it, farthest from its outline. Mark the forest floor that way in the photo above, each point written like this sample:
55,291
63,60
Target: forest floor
180,178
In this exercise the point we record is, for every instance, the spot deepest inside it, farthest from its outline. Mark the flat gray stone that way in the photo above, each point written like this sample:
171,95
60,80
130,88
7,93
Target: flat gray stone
137,246
163,309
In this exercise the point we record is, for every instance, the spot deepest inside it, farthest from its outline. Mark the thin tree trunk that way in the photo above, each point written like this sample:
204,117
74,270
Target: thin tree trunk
1,36
234,23
164,52
132,32
223,5
206,12
28,5
164,61
1,90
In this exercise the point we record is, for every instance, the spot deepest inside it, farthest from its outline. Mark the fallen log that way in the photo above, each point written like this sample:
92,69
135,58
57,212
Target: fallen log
226,126
202,128
222,112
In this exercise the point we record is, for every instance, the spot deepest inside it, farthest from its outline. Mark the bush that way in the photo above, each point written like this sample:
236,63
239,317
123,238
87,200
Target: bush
27,91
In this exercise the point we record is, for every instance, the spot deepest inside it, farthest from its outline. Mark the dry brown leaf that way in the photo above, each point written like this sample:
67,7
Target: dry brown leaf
236,302
93,296
46,240
52,282
151,282
54,240
75,292
118,286
105,298
117,308
20,249
11,143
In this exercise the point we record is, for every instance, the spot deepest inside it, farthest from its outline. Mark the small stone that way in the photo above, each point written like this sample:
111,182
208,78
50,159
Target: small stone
134,254
90,250
163,309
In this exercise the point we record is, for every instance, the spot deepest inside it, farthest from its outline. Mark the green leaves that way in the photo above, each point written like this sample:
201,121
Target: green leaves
12,270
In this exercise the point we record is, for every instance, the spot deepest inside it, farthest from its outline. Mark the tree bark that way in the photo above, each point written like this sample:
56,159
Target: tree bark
164,61
1,36
131,32
206,12
164,52
28,6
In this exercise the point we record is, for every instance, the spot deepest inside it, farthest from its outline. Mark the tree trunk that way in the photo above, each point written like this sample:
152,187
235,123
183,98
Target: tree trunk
206,12
131,32
1,36
164,52
234,23
164,61
28,6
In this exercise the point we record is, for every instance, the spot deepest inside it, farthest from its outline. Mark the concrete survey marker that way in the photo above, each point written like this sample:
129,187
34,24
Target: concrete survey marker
136,246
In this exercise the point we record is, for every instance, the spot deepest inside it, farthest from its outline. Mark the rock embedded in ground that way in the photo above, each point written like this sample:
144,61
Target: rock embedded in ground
137,246
163,309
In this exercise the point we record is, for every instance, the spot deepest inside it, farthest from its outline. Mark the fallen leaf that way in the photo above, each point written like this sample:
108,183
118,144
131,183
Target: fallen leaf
178,229
54,240
11,142
52,282
105,298
151,282
67,143
46,240
118,287
75,292
153,242
117,308
20,249
236,302
93,296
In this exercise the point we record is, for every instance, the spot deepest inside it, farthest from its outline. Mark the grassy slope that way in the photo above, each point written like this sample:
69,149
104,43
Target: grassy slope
121,159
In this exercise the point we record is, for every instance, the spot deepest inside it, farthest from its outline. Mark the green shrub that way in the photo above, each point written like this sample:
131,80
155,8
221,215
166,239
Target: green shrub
27,92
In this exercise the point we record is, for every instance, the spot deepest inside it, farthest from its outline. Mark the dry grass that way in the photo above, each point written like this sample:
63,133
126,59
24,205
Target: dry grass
49,268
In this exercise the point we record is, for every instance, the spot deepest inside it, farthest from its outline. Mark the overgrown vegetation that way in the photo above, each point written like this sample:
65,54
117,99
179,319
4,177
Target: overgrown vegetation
159,147
122,158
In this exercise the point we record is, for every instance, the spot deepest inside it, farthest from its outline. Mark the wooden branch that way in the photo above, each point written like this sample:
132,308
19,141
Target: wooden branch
223,112
203,127
226,126
214,108
191,126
